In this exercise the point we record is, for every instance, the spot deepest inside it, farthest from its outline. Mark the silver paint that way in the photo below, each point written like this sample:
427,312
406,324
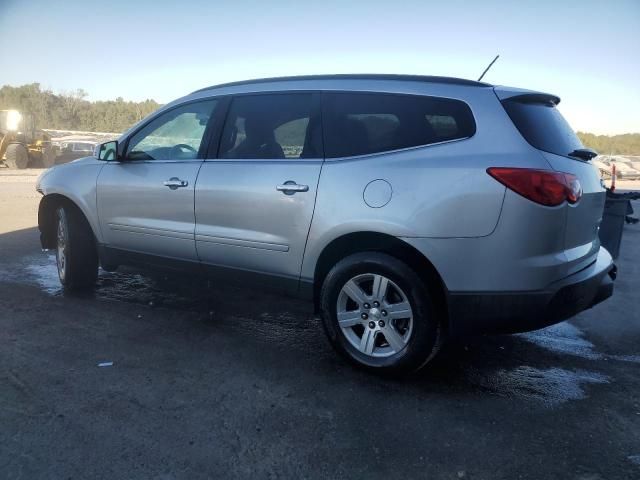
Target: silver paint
478,235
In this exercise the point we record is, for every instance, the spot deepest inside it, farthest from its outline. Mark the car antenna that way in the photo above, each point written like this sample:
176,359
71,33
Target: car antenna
490,65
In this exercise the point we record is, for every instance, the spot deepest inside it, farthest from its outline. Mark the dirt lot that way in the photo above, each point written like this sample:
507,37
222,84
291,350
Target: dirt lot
217,383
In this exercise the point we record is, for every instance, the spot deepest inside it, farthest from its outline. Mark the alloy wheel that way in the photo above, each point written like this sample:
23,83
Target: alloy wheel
375,315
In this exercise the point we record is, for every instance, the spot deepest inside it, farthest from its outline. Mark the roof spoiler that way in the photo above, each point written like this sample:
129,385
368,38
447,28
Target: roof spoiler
525,96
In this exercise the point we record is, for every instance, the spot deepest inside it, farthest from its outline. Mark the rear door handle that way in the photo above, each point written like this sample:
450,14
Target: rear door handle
174,183
290,187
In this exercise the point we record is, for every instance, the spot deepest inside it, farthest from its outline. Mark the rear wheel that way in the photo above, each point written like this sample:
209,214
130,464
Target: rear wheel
17,156
76,254
379,314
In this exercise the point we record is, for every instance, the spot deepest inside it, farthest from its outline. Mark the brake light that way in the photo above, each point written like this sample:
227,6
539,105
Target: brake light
545,187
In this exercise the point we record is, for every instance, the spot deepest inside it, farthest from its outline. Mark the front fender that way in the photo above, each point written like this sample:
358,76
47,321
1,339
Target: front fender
75,182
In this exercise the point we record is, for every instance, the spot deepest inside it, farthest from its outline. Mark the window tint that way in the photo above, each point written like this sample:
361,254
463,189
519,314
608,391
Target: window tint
381,128
362,123
273,126
543,126
174,135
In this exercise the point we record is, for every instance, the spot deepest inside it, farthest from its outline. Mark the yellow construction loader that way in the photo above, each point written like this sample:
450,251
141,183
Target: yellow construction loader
22,145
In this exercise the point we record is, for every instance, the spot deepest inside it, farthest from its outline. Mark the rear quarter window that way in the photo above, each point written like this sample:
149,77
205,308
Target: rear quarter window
543,126
363,123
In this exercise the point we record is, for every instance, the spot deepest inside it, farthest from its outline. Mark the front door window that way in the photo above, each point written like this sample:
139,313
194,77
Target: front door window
175,135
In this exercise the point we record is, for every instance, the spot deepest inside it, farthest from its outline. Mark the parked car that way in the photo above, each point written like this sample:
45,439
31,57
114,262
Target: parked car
74,150
408,209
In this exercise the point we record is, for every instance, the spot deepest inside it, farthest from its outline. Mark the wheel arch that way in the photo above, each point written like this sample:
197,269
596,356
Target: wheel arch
366,241
47,220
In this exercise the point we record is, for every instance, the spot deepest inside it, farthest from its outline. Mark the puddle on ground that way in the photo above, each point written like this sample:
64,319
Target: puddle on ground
45,274
563,338
568,339
625,358
634,459
550,386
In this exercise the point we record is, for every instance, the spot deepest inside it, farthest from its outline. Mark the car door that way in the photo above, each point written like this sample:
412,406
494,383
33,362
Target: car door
146,199
254,203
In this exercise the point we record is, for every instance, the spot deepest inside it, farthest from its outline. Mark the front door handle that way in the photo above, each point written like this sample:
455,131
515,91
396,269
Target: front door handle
290,187
174,183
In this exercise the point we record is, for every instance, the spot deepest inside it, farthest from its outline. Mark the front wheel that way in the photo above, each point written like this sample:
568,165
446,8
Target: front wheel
17,156
76,254
379,313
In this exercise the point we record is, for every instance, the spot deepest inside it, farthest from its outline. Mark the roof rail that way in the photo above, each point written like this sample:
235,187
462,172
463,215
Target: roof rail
356,76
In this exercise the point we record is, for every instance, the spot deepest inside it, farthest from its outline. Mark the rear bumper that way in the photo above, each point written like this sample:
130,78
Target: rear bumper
512,312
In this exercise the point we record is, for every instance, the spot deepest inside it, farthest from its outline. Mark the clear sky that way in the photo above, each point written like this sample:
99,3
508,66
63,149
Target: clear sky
587,52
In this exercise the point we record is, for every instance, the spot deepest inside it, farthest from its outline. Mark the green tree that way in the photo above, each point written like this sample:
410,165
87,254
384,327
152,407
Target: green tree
71,111
625,144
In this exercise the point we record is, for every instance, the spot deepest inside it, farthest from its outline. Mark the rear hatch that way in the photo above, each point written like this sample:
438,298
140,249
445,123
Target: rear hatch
543,126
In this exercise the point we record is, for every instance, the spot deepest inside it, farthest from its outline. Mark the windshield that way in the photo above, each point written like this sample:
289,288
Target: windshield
543,126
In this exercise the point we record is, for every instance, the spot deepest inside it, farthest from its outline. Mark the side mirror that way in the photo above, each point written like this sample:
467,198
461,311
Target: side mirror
107,151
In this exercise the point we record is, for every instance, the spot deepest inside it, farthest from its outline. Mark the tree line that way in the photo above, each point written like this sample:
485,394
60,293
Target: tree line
72,111
625,144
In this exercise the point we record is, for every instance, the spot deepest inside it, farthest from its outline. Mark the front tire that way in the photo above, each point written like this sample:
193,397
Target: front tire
76,253
17,156
379,314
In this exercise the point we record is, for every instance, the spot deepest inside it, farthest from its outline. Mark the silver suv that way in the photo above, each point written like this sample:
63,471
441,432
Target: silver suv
407,208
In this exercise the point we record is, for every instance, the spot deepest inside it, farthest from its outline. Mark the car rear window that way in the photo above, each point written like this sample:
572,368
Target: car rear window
364,123
543,126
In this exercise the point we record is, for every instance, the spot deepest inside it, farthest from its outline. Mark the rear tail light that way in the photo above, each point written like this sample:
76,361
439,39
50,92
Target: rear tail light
545,187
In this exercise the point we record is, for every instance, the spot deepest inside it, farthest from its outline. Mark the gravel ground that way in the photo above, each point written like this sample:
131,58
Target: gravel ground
212,382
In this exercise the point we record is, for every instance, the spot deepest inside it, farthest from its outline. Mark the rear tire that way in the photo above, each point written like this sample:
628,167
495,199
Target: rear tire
393,327
76,253
17,156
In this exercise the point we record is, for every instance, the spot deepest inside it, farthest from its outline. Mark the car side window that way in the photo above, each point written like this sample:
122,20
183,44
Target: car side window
174,135
363,123
272,126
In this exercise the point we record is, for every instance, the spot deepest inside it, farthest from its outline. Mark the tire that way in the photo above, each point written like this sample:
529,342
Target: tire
76,253
17,156
413,340
48,158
